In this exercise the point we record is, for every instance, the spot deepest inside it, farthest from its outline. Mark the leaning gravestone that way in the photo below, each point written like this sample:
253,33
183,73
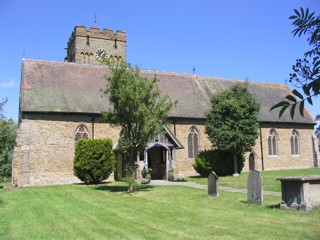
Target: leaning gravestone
213,185
255,188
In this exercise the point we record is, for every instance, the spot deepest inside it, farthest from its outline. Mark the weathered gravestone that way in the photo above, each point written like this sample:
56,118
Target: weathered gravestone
213,185
255,188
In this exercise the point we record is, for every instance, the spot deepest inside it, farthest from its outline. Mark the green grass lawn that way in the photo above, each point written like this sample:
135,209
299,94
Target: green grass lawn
154,212
270,182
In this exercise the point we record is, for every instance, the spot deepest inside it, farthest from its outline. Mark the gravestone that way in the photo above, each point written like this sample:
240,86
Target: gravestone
213,185
255,188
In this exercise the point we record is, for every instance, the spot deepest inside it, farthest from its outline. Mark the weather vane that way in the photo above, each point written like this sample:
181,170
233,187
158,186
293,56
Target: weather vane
95,17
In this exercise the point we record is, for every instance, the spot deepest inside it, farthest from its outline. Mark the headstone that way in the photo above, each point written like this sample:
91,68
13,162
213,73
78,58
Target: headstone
213,185
255,188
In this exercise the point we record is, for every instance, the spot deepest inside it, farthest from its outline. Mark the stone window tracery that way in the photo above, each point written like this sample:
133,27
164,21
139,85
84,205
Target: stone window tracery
81,133
295,143
273,143
193,143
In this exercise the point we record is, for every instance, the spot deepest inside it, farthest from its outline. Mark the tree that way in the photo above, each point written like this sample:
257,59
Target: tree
306,71
139,110
318,128
94,160
2,103
232,123
8,132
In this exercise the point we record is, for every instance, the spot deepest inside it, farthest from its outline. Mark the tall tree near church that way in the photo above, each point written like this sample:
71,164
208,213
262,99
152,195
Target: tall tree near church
232,123
306,71
139,110
2,103
8,132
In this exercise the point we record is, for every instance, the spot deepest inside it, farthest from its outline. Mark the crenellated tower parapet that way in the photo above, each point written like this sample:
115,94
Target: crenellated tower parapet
84,45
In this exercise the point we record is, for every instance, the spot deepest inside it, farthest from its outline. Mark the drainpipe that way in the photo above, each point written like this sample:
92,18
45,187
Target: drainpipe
92,121
261,148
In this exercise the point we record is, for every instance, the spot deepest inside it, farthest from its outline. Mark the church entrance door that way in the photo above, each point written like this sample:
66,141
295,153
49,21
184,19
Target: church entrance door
157,162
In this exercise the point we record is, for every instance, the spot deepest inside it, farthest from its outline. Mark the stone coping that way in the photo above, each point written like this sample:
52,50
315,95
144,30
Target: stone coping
300,178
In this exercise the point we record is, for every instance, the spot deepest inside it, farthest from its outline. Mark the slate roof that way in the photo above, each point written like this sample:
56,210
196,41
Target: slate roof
63,87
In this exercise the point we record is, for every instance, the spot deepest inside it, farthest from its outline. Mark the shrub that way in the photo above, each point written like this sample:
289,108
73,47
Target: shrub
171,174
94,160
219,161
146,173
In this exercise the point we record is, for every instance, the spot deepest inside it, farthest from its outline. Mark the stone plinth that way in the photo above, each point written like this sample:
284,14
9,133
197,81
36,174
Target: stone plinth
300,192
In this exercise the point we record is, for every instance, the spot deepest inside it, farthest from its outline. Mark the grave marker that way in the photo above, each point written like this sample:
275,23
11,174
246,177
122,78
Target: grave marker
213,185
255,188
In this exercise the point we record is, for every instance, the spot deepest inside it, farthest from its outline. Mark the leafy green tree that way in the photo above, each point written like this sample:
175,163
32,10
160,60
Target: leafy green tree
318,128
8,132
232,123
2,103
138,108
306,71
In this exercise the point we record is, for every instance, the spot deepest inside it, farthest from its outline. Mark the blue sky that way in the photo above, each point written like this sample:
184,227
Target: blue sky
240,39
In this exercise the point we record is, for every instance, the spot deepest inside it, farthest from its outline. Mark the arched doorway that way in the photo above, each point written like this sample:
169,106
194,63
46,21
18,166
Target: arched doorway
157,162
252,161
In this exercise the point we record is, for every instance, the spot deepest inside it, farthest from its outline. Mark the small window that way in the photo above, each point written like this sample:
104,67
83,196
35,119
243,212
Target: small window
193,143
81,133
273,143
295,143
115,44
88,40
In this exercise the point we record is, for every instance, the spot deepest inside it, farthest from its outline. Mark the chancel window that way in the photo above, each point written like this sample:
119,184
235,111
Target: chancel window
81,132
193,143
295,143
273,143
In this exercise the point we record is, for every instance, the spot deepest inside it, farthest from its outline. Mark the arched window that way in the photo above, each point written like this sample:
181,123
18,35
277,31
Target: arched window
273,143
82,57
295,143
193,143
81,132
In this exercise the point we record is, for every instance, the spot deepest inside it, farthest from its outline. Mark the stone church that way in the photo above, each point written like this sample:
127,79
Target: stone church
61,102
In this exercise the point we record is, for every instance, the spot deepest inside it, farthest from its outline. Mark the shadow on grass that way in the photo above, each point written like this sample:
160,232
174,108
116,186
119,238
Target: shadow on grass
124,189
272,206
195,177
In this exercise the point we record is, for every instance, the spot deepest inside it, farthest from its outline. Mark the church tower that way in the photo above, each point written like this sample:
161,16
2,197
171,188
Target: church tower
88,45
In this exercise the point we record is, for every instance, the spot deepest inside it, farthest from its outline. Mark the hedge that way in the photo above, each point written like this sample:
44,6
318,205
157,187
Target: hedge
221,162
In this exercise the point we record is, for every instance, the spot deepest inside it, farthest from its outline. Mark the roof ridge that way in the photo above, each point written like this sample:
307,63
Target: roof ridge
62,63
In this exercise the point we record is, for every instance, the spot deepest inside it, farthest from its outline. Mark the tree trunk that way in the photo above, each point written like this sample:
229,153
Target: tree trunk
131,171
235,165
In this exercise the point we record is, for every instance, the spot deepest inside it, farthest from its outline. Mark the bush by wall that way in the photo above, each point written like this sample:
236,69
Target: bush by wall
221,162
94,160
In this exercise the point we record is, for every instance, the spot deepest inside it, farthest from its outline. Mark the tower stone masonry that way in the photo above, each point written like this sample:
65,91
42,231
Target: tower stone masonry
84,45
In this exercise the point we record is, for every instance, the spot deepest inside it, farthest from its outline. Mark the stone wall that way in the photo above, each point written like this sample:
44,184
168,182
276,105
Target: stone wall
284,160
46,144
